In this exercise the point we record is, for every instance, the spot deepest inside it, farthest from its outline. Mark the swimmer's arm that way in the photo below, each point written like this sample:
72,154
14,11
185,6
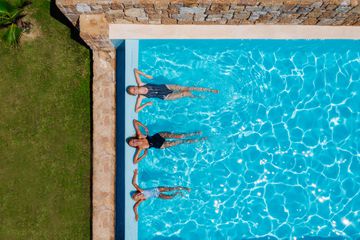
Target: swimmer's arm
137,158
137,125
137,76
137,71
138,106
136,205
134,181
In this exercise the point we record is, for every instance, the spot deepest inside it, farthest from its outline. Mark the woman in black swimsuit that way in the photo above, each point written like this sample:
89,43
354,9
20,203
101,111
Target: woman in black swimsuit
159,140
161,91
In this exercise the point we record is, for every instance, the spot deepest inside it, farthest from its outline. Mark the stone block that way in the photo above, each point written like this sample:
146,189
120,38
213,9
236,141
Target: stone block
339,21
315,13
228,16
116,6
343,9
199,17
116,13
317,4
265,18
352,20
215,7
168,21
185,22
299,3
191,4
142,20
96,8
173,10
275,13
304,10
331,7
135,12
253,8
237,8
234,21
155,22
161,5
345,3
192,10
355,10
182,17
241,16
83,8
254,17
154,17
326,21
213,17
328,14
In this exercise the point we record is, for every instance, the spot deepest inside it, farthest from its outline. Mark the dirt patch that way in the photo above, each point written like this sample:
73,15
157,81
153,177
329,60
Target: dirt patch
32,32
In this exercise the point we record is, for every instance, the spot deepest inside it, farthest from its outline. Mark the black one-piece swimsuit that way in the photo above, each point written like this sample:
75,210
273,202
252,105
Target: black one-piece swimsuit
155,141
157,91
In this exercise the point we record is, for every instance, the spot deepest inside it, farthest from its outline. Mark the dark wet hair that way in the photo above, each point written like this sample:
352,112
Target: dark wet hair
129,139
132,193
128,89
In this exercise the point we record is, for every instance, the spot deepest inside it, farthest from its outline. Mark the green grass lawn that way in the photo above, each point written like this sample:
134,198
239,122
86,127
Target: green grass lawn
45,134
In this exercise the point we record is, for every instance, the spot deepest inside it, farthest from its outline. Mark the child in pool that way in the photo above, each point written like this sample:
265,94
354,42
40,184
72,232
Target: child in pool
158,192
159,140
161,91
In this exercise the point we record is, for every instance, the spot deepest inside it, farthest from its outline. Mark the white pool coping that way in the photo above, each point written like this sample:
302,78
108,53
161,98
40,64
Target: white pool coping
146,31
131,60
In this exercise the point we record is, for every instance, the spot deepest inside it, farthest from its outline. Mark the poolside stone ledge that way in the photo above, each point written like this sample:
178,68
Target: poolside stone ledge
93,18
95,31
306,12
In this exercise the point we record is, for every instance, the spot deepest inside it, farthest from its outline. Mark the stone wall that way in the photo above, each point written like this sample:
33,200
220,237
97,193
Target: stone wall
307,12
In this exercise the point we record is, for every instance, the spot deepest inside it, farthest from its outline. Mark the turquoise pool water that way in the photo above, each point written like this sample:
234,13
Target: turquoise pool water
283,155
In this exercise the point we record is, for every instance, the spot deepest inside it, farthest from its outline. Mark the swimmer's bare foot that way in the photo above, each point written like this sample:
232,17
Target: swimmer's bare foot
215,91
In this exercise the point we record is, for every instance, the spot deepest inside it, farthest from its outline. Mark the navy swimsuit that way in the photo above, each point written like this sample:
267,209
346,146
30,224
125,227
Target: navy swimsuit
157,91
155,141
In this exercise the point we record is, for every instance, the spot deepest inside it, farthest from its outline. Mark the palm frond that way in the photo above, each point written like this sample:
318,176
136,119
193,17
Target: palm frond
15,14
4,20
12,35
5,8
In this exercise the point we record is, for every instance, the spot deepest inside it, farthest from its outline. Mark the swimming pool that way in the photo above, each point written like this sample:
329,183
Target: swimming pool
282,158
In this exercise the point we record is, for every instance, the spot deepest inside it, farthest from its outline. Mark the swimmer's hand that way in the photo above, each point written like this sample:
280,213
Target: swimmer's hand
148,76
149,103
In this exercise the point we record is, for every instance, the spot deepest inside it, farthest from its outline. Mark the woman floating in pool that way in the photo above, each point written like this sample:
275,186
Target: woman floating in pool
159,140
162,91
143,194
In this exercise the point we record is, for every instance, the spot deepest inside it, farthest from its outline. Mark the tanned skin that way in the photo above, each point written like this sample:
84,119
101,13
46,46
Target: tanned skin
179,91
142,144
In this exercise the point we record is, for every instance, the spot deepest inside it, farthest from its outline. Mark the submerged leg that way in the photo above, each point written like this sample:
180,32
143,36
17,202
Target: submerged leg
182,88
168,189
179,135
177,95
174,143
170,196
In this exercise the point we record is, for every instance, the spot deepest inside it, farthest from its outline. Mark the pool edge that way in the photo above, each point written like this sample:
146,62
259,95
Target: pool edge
143,31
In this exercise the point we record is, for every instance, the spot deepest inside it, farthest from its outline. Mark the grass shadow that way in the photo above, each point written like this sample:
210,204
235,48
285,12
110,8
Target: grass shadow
59,16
